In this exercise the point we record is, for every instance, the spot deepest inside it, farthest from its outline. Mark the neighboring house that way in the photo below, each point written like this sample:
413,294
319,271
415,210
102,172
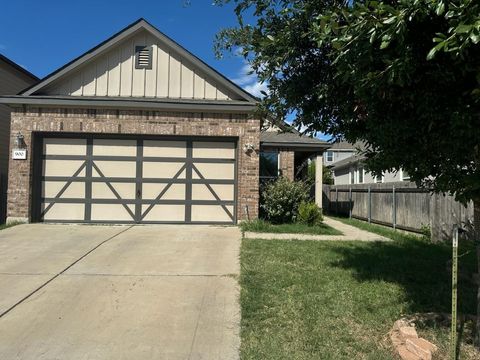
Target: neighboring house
13,79
352,171
338,151
139,130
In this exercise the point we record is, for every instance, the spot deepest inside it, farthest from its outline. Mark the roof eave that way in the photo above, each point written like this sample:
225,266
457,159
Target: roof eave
19,68
131,103
295,145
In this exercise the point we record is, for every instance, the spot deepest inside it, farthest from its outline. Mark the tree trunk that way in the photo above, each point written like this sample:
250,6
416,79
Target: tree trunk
476,224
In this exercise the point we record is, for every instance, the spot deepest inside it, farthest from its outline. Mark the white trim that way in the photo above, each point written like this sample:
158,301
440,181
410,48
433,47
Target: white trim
351,179
357,175
403,177
382,179
326,156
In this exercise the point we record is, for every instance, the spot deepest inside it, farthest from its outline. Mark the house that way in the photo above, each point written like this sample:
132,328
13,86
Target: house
340,150
140,130
352,171
346,163
13,79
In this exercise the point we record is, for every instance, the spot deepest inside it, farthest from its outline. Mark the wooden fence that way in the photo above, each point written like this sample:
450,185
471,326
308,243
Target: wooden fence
399,205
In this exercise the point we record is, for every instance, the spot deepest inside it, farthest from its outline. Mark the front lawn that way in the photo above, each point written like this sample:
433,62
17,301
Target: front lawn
262,226
6,226
338,300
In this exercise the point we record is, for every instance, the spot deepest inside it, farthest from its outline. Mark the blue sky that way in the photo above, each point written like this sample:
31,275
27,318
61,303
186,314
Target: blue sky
44,35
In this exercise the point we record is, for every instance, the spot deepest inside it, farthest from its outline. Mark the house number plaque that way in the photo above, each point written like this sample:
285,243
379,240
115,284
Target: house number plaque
19,154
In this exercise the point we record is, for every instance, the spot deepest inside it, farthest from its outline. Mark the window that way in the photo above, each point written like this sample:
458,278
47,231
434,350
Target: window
143,57
379,179
329,156
404,175
352,176
268,164
360,173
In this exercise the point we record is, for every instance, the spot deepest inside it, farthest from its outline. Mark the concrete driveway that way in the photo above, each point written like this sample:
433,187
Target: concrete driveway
119,292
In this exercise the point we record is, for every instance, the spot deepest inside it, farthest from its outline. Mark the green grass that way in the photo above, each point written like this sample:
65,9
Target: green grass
6,226
338,300
262,226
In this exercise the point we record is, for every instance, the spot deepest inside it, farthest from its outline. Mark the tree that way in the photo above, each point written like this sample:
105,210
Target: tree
403,76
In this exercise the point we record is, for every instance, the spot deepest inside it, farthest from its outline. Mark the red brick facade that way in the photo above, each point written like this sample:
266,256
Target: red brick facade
287,163
29,120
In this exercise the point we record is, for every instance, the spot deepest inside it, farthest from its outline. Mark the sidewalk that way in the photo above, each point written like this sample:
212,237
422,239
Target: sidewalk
349,233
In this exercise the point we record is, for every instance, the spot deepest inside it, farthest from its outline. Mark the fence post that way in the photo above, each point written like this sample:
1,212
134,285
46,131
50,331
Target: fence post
350,203
369,205
336,201
394,208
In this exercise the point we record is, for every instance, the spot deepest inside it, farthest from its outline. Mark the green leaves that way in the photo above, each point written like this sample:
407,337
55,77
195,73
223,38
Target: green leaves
431,54
399,75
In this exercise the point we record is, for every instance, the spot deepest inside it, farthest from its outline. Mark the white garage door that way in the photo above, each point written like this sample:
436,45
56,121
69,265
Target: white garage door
130,180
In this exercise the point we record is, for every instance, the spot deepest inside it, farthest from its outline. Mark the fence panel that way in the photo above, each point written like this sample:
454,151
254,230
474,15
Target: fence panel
400,205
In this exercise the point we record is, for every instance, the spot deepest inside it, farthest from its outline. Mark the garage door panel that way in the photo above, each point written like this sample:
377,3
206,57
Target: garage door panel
164,213
163,170
214,171
114,169
101,190
74,190
203,192
213,150
107,147
112,212
213,213
159,148
52,146
63,168
151,191
64,212
137,180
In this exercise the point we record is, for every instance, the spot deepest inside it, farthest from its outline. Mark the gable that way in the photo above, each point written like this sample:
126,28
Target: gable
109,71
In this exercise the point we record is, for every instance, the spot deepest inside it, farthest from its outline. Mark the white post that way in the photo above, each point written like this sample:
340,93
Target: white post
319,180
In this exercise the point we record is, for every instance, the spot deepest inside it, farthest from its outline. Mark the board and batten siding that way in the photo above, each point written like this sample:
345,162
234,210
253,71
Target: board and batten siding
114,74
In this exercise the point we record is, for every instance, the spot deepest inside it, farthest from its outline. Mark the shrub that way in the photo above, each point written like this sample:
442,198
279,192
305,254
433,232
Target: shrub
280,199
309,213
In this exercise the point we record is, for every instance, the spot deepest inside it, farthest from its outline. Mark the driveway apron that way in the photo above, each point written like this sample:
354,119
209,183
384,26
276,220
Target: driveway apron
116,292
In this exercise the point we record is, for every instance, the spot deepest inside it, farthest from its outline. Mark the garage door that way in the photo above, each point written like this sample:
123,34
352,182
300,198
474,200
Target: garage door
145,180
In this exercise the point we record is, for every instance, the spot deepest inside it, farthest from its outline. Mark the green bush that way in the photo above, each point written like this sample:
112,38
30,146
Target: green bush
309,213
280,199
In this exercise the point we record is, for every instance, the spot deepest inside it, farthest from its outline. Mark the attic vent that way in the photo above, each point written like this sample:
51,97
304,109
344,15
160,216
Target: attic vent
143,57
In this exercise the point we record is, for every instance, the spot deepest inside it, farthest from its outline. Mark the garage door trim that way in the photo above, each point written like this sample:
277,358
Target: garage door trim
188,164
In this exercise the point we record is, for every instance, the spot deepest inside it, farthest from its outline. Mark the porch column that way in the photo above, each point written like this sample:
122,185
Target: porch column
319,180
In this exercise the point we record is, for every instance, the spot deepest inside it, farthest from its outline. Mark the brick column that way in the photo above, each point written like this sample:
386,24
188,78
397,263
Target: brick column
287,164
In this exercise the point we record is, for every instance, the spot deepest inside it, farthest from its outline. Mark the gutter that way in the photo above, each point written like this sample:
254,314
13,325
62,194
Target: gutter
131,103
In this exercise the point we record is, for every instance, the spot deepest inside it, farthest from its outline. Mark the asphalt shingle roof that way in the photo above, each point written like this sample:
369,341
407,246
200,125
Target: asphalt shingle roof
275,137
350,160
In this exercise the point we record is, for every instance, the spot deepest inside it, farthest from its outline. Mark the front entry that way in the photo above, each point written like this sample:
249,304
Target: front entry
103,179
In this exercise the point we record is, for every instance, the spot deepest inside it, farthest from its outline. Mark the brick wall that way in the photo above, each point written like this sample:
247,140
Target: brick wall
287,163
30,120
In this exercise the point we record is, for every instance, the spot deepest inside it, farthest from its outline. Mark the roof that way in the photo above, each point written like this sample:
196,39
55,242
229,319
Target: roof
132,103
291,140
18,67
354,159
108,44
345,145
